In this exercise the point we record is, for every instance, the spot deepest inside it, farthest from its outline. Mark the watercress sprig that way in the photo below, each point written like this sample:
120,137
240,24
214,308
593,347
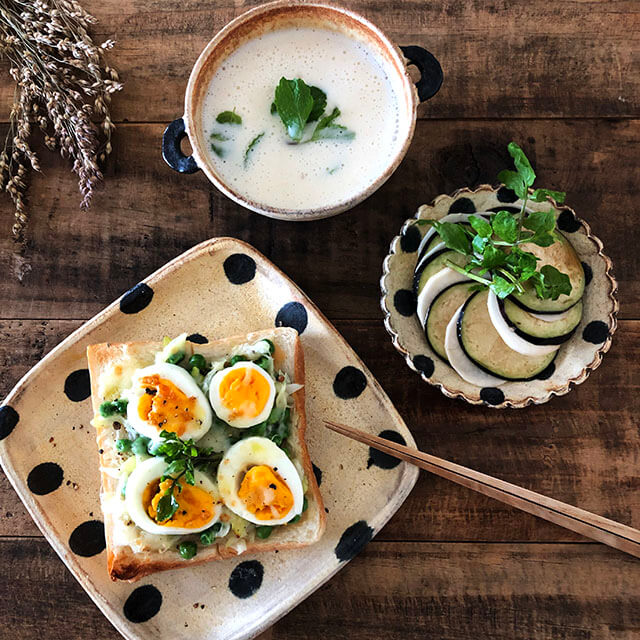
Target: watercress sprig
183,457
496,259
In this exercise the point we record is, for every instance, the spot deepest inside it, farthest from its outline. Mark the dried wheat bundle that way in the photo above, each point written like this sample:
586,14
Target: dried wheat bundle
63,85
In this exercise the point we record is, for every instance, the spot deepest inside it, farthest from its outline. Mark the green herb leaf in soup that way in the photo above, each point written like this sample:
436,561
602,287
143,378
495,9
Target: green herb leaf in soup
251,147
228,117
319,103
294,104
326,129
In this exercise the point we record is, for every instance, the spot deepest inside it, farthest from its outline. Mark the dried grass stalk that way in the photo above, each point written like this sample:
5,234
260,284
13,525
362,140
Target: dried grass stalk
63,86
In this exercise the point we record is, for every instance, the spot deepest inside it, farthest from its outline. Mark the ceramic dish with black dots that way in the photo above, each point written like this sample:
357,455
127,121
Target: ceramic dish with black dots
573,361
220,288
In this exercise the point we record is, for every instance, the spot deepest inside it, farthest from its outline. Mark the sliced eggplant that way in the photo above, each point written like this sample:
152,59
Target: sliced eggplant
441,280
484,346
511,337
432,263
452,217
442,309
563,257
550,328
459,360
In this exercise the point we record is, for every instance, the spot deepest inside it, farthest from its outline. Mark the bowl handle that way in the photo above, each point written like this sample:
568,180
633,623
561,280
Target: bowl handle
431,75
171,152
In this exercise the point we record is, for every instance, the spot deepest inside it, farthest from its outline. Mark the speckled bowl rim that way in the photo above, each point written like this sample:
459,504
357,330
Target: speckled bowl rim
559,390
39,514
410,94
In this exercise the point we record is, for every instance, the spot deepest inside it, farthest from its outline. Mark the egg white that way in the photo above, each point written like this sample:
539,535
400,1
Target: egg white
150,470
224,413
181,379
248,453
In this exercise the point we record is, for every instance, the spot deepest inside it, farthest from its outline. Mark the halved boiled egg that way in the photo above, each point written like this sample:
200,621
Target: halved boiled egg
164,397
199,505
258,482
242,395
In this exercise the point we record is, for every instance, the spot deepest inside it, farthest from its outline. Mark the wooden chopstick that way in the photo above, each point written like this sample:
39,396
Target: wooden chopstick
565,515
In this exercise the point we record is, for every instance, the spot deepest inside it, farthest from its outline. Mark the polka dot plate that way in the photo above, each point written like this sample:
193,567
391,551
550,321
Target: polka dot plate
220,288
575,359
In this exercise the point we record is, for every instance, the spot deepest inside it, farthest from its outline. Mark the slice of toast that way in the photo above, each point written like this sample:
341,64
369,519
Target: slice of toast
111,366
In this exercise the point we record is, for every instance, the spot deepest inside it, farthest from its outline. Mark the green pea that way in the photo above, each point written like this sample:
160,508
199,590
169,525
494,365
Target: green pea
123,445
188,549
263,532
139,445
237,359
272,347
264,362
121,406
176,357
197,360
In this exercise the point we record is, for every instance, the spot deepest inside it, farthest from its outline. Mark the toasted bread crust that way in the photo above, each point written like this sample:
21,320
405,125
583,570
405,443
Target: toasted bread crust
124,563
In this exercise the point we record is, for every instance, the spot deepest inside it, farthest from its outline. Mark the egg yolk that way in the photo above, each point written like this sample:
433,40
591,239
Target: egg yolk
165,406
245,392
265,493
195,504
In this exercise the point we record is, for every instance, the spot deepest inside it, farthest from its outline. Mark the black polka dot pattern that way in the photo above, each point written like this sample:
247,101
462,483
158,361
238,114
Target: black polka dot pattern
506,195
317,472
239,268
462,205
44,478
568,222
405,302
246,579
424,364
8,420
197,338
77,386
142,604
410,240
136,299
381,459
509,209
492,395
546,373
294,315
588,273
353,540
349,383
87,539
596,332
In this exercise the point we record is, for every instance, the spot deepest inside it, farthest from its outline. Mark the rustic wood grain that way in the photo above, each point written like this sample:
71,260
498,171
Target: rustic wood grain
501,58
400,591
75,263
582,448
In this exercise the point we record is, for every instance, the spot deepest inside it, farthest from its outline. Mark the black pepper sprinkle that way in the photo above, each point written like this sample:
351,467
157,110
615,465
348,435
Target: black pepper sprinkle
100,451
117,425
272,486
151,392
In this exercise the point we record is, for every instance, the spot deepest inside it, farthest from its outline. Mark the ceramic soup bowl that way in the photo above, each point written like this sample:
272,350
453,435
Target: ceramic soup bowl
269,19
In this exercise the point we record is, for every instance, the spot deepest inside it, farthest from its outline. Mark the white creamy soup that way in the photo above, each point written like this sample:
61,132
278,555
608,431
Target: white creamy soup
276,172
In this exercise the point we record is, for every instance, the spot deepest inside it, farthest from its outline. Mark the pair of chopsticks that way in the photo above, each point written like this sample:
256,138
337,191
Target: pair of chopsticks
583,522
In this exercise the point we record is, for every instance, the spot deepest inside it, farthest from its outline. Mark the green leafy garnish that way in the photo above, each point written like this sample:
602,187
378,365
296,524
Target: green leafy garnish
228,117
207,537
183,457
251,147
496,259
219,136
298,104
176,358
327,129
115,406
263,532
218,150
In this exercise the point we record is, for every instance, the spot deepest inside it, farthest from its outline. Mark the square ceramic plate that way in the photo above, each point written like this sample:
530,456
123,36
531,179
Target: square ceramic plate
219,288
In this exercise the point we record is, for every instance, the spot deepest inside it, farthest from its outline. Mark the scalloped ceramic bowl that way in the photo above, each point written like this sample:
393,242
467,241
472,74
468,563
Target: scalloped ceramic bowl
576,358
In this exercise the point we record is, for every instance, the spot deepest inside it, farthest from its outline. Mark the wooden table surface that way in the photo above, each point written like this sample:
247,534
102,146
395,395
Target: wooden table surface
560,77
